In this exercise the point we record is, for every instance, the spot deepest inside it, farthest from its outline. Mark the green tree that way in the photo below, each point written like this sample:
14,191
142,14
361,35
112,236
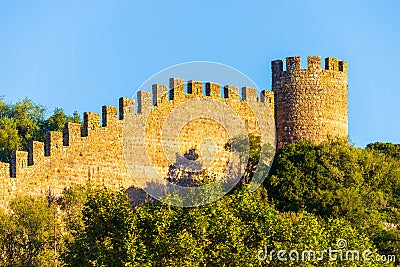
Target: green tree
107,218
4,108
72,203
28,116
75,118
57,120
25,121
26,233
9,138
232,231
335,180
389,149
258,156
19,123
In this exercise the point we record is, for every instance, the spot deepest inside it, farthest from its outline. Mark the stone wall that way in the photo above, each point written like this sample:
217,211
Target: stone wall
128,144
139,143
310,104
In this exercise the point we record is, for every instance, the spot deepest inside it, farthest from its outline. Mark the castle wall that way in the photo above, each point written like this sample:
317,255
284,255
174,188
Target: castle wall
183,121
310,104
123,147
97,152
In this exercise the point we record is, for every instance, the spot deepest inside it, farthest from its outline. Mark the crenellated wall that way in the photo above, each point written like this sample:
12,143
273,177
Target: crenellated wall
310,104
96,152
122,147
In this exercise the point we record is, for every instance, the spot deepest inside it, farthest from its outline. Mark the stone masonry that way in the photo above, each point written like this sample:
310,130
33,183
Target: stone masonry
310,104
307,104
98,153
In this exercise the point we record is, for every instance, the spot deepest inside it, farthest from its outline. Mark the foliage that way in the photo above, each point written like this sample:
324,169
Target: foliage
72,203
25,121
389,149
18,125
335,180
103,241
252,153
56,122
26,235
232,231
9,138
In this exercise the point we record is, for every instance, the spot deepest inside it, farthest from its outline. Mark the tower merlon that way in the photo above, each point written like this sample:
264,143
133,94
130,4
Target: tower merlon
276,66
91,121
143,101
109,115
314,62
176,88
54,142
276,70
126,107
72,133
267,96
231,92
35,152
331,63
213,89
293,63
249,94
335,64
195,88
343,66
160,92
19,160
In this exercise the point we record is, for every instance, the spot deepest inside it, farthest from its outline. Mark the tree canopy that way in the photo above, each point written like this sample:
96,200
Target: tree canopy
24,121
336,180
233,231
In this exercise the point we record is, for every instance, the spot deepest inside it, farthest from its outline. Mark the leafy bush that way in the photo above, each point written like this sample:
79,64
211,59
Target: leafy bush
233,231
26,235
335,180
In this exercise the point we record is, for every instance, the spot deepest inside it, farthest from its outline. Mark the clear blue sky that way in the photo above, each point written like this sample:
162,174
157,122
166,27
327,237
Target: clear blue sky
80,55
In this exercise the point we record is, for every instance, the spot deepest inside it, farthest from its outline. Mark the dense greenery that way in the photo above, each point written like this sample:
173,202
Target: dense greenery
335,180
106,237
313,196
232,231
27,235
25,121
389,149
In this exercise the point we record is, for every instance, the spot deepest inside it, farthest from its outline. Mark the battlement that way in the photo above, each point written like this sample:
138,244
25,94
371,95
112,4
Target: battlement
196,89
307,103
213,89
74,135
179,91
19,160
313,64
94,151
160,93
109,115
35,152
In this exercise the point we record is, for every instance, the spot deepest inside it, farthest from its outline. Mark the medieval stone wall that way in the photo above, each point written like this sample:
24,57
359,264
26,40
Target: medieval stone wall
127,149
97,151
310,104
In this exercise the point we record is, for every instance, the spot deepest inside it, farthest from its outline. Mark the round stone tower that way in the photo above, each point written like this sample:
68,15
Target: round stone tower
310,104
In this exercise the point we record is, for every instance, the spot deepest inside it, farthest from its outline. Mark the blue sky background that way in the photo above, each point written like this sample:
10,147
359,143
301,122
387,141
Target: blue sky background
80,55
